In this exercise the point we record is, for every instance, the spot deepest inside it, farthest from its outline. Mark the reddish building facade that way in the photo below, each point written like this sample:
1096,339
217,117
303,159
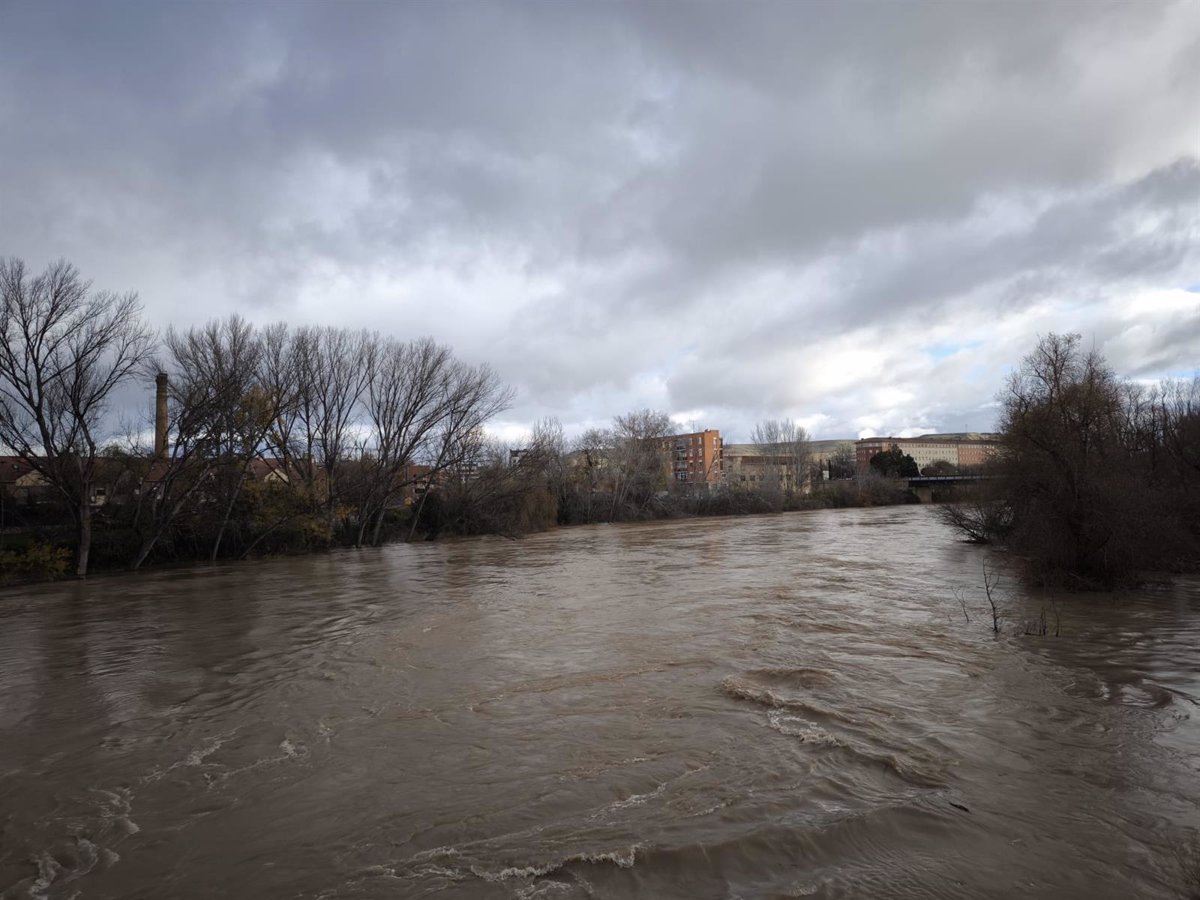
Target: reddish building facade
695,458
964,452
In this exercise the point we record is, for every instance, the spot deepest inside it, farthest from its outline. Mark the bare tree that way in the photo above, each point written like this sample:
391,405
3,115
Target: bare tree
407,398
1071,483
473,396
1174,416
65,350
279,379
167,486
544,455
640,463
589,472
980,515
335,367
842,465
221,361
786,454
991,582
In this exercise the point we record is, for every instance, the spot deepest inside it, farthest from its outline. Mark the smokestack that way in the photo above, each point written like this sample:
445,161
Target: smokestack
160,416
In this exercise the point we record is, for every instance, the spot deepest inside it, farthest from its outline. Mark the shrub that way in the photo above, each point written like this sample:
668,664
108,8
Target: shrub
36,562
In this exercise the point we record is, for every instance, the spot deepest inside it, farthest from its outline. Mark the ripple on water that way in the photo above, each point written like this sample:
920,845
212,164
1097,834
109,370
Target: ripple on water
765,707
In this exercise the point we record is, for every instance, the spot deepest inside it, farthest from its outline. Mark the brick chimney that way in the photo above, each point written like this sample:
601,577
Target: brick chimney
160,416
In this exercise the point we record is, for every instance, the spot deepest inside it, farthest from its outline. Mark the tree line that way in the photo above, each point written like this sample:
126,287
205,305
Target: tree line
278,439
624,472
1098,481
308,433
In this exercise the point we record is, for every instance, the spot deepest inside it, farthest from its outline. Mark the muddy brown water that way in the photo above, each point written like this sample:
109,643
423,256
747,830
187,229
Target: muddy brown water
786,706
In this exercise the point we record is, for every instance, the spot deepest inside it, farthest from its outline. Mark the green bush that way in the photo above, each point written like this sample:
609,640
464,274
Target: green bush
35,562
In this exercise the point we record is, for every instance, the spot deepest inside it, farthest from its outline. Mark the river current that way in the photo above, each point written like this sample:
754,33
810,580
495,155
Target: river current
779,706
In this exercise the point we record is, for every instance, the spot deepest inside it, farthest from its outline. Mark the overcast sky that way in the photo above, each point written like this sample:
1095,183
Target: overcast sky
860,215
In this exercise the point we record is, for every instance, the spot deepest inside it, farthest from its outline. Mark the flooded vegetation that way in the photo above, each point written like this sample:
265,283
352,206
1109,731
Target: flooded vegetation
1098,478
774,706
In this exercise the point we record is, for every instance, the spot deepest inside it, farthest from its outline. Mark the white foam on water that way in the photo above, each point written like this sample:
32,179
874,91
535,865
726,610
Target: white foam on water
433,853
292,751
638,799
706,811
804,890
197,756
621,858
48,870
380,872
806,731
544,889
89,855
518,871
115,809
453,874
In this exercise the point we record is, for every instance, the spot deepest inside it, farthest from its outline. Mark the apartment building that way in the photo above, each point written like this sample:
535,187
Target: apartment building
756,467
695,458
965,450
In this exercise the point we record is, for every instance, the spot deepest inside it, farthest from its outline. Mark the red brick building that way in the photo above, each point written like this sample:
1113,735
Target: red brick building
965,451
695,458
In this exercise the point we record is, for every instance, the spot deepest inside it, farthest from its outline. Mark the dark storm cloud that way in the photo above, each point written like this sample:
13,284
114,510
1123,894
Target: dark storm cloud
702,206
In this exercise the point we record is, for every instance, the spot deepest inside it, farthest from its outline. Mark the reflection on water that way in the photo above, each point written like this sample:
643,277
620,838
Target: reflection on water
766,707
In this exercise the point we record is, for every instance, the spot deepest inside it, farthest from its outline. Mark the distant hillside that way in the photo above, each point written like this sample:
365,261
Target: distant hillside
963,436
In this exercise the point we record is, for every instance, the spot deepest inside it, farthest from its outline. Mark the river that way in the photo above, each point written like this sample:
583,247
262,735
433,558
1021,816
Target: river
778,706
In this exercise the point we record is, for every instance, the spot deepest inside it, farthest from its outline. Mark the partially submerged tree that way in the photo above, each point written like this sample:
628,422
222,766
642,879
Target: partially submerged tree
1064,462
64,350
1098,479
980,516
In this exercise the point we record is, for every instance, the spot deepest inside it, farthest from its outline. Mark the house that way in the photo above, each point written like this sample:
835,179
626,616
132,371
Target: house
269,471
20,484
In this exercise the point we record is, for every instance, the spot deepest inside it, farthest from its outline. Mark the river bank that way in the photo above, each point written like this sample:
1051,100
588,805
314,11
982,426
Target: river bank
40,554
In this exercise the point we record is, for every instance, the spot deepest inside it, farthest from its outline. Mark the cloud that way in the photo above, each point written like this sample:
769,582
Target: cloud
729,213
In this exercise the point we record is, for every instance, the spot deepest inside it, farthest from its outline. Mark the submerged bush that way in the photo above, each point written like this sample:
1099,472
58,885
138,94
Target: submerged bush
979,518
1098,479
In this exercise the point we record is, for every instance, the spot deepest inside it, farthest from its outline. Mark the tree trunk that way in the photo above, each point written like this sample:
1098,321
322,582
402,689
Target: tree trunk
144,551
365,515
228,513
265,534
417,515
85,534
378,524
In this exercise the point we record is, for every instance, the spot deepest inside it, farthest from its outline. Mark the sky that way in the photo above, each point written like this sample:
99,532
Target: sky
857,215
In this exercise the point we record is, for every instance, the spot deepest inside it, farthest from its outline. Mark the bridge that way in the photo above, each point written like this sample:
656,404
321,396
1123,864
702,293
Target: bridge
924,486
